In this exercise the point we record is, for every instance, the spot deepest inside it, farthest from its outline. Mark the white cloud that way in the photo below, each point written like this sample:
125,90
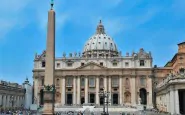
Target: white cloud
10,11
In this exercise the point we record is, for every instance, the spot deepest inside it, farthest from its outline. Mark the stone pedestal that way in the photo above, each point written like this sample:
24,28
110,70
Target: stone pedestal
48,103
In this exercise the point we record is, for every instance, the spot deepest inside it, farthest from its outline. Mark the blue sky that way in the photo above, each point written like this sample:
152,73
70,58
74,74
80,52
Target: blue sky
155,25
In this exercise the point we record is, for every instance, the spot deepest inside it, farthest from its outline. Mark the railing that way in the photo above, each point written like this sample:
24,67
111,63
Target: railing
172,79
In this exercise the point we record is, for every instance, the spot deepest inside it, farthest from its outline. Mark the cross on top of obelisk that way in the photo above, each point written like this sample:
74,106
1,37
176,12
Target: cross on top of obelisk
52,3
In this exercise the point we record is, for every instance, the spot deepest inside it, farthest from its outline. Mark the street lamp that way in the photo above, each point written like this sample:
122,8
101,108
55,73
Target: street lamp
105,95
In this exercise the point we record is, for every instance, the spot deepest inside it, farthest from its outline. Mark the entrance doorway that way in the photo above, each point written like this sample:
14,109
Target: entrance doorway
143,96
82,100
115,99
182,101
41,97
69,99
92,98
101,100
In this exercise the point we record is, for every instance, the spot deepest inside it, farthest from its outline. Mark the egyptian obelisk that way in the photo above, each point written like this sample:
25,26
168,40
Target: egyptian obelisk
49,81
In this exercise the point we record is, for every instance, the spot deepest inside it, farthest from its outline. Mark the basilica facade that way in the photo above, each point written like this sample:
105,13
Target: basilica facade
80,77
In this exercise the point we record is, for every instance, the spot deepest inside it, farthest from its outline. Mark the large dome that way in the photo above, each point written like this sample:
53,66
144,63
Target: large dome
100,44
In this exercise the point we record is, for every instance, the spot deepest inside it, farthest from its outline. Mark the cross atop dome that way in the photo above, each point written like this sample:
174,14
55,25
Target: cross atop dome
52,4
100,28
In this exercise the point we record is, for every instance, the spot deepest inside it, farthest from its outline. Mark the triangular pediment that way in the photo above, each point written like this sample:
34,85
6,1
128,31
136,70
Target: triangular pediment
91,65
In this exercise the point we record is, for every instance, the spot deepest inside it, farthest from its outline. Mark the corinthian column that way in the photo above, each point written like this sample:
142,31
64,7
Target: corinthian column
78,90
105,83
74,90
86,89
133,90
63,90
97,90
110,90
120,90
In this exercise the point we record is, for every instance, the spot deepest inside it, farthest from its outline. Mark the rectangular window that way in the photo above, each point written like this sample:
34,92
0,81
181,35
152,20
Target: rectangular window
114,82
101,63
82,82
142,63
69,82
126,64
69,64
82,64
91,82
43,64
42,82
114,64
58,65
142,81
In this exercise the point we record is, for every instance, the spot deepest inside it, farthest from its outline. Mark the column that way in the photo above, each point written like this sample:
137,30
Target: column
110,86
78,90
167,101
149,84
176,101
35,92
123,89
86,89
18,101
172,104
105,83
120,90
97,90
133,90
74,90
4,101
63,90
1,100
8,101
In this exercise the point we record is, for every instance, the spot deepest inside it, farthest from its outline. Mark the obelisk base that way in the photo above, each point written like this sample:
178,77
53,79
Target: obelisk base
48,108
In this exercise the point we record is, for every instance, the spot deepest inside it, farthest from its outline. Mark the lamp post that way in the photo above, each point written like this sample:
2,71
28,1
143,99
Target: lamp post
105,95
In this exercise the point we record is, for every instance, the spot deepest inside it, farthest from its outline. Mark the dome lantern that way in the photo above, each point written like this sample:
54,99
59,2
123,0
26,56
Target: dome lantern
100,28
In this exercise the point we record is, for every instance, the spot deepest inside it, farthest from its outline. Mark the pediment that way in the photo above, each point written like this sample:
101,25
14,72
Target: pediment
91,65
